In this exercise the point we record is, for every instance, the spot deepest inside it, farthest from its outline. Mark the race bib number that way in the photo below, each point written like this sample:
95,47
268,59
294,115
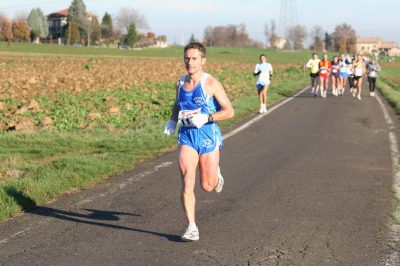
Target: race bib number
315,68
334,70
358,71
372,74
264,76
185,115
322,70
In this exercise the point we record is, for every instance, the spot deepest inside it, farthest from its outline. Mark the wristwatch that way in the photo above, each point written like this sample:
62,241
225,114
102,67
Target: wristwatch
210,118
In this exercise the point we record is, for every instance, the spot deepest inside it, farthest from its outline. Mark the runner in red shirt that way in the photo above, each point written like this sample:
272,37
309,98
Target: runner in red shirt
325,67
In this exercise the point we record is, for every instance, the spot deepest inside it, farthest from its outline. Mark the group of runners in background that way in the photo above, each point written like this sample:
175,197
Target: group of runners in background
342,70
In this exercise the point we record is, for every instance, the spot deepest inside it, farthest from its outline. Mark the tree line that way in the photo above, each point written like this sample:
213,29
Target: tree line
127,28
342,39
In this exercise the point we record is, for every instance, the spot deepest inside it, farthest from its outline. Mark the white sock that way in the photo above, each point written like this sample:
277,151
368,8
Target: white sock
192,225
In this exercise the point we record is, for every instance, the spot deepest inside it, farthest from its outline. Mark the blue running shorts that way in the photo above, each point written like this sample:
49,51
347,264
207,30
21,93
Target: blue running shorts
203,140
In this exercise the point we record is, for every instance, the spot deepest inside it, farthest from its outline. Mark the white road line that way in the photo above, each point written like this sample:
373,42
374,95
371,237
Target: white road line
392,259
79,204
252,121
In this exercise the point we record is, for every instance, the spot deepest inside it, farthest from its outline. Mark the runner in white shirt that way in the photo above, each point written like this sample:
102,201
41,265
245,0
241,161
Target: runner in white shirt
359,72
264,72
344,65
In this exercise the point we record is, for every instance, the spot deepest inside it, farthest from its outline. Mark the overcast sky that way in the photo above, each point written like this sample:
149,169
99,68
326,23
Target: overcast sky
178,19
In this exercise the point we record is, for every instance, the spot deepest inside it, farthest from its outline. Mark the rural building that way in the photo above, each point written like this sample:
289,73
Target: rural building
58,20
371,45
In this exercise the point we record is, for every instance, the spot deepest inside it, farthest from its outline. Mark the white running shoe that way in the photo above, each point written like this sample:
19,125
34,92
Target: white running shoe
343,90
354,94
261,109
218,188
373,94
359,97
312,90
265,108
370,94
191,234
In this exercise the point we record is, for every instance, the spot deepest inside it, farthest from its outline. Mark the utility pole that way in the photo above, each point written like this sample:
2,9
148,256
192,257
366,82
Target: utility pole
288,16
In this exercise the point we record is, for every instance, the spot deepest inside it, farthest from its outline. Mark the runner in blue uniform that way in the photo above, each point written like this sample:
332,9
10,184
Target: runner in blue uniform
200,102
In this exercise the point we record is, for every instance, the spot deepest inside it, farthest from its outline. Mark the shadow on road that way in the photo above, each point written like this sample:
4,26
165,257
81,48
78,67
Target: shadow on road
92,218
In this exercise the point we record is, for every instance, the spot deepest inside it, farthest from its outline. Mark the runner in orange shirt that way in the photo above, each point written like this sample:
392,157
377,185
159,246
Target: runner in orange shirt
325,67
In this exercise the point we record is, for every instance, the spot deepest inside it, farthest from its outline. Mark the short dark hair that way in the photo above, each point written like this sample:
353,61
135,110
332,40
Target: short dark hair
263,55
314,54
198,46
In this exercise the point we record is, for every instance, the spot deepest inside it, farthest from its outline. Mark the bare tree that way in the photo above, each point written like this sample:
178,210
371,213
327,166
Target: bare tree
271,33
20,15
128,15
208,36
6,31
317,37
87,25
3,17
296,36
344,38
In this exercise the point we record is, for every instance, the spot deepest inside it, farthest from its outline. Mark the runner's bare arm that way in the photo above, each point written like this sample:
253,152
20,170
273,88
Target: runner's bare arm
175,108
215,90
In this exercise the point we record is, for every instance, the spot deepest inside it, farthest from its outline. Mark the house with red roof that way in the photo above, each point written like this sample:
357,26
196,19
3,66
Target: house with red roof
58,20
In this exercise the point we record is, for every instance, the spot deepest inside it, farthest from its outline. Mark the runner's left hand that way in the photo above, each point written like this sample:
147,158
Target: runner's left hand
199,120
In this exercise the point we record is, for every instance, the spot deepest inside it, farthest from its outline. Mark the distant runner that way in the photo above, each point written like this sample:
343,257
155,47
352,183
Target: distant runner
325,67
264,72
359,72
313,65
373,69
335,76
344,65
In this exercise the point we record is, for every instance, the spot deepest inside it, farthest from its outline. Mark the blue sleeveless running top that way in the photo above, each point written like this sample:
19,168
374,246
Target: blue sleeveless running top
196,98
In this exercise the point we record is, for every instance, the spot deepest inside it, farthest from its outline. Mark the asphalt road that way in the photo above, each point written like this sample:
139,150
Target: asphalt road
308,184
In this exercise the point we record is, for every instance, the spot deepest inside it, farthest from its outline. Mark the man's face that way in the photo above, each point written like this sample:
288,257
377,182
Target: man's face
263,59
315,56
325,57
193,61
342,56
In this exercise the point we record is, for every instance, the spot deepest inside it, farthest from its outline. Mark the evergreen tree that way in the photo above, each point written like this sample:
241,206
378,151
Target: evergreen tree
193,39
96,34
131,37
75,36
37,22
328,42
106,25
76,12
44,25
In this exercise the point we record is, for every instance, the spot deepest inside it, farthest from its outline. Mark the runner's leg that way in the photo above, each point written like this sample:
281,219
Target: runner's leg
188,160
208,165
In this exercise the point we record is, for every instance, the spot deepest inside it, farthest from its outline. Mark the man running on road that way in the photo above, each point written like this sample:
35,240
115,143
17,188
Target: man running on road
264,72
313,65
200,102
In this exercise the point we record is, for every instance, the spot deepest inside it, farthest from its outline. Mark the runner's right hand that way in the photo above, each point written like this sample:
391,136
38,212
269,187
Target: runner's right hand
170,128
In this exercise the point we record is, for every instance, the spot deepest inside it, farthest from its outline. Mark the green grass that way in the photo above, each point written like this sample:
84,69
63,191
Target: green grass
226,54
388,84
38,167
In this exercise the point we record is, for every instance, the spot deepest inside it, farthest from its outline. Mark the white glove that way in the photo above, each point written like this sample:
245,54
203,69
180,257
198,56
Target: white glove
170,128
198,120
